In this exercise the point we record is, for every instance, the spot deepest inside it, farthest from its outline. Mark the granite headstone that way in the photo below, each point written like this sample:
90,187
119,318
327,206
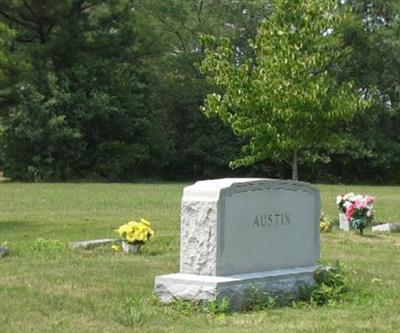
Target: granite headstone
239,233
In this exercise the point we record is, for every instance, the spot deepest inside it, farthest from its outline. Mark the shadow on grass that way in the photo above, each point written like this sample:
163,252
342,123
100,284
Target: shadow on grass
372,236
13,225
151,252
367,238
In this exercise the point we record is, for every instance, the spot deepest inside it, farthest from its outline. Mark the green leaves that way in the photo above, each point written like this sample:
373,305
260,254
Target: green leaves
80,110
285,98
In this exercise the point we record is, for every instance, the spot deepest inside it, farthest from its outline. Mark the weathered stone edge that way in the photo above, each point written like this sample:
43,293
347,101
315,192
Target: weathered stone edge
236,288
386,227
90,244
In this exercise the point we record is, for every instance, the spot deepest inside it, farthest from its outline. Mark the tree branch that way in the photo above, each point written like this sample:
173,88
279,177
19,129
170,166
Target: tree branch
200,10
171,28
16,20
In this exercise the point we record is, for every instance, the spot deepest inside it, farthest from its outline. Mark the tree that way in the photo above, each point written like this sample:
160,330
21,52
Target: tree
285,98
371,148
80,111
200,147
111,89
6,35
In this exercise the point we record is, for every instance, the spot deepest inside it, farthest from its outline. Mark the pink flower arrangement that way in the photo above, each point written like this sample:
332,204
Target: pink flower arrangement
358,209
350,208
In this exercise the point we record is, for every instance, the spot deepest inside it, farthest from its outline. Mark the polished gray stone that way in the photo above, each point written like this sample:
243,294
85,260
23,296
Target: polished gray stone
231,226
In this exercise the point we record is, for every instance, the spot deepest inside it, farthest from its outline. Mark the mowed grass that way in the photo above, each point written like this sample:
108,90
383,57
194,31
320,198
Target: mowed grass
82,291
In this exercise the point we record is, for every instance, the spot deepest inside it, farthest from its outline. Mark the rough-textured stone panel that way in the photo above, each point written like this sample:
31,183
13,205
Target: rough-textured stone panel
198,237
168,291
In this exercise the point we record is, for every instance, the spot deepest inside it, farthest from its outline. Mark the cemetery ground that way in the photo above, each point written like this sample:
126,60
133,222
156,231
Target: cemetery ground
45,287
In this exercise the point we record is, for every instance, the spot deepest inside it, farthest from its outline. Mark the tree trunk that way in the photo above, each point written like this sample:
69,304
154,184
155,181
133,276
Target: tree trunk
295,162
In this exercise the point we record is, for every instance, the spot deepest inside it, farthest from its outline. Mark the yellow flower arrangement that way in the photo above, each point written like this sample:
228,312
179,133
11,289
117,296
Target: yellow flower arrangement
137,233
325,223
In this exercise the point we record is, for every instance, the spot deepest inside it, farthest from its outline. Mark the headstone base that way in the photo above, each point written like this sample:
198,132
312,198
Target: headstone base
236,288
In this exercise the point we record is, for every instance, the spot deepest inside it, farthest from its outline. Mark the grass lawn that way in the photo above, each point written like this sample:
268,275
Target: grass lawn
58,290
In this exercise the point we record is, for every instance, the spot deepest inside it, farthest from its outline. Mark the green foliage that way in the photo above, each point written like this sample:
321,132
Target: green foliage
330,287
6,35
185,308
82,113
373,37
111,89
368,147
133,311
286,99
48,247
217,307
260,300
200,147
213,308
30,128
121,81
87,139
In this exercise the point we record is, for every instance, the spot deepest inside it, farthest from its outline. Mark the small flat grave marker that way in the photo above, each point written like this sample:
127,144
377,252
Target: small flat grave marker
4,251
386,227
90,244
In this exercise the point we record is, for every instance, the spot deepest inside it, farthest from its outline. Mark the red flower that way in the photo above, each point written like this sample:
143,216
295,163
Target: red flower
350,210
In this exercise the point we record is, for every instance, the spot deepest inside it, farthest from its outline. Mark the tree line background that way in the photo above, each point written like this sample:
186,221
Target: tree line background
111,90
